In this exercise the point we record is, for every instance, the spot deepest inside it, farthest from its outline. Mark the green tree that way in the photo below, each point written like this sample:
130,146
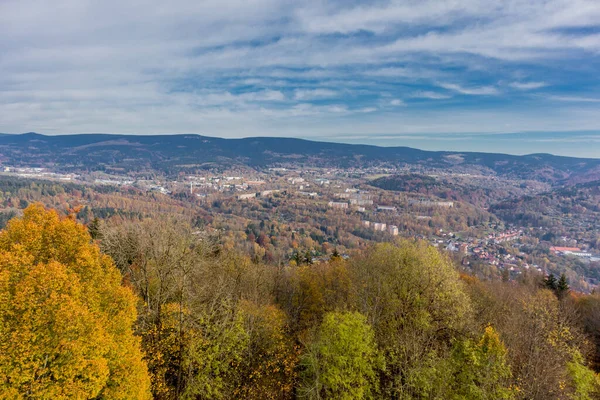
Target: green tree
551,283
308,257
213,355
297,258
562,287
310,291
335,255
586,383
342,362
414,299
539,332
194,327
480,370
94,228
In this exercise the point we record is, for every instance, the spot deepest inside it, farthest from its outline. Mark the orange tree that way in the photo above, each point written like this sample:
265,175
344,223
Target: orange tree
65,319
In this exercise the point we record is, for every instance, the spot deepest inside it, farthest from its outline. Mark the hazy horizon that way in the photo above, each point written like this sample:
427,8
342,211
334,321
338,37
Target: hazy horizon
555,143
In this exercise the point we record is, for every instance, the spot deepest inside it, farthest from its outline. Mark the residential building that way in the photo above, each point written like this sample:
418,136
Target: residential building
337,204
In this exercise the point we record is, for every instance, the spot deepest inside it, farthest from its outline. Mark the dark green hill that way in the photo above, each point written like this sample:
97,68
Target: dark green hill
173,153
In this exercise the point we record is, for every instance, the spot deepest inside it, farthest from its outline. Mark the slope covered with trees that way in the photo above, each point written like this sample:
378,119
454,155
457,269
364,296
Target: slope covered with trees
395,321
561,212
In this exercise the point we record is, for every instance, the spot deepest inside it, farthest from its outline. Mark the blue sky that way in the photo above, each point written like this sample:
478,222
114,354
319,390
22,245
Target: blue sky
516,76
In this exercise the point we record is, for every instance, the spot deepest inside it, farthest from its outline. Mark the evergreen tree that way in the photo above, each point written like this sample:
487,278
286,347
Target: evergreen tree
562,287
308,257
297,258
335,255
94,228
551,283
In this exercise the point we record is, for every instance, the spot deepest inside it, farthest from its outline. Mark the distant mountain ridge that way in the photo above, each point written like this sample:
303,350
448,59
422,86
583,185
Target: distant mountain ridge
185,152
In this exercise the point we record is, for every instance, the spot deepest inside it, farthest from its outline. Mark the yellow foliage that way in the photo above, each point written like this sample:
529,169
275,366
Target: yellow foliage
271,359
65,320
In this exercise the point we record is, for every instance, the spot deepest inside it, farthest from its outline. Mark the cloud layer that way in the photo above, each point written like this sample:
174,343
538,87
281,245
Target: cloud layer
299,68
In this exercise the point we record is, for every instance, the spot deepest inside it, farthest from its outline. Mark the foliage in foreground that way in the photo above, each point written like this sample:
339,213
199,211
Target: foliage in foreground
342,361
65,319
396,322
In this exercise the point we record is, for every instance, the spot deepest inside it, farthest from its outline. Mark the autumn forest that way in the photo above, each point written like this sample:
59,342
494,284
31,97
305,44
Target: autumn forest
154,308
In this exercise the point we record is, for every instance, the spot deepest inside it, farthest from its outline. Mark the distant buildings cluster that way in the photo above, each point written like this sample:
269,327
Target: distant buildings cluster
357,197
381,227
573,251
431,203
41,173
506,236
338,204
264,193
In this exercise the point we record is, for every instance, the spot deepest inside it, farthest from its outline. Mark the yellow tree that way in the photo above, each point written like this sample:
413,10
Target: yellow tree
65,319
268,369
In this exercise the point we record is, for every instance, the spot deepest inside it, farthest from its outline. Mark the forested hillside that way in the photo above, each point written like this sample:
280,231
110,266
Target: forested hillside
172,154
157,308
564,210
479,192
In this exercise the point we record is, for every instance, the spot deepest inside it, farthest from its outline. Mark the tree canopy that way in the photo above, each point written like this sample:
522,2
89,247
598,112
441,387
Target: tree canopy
342,362
156,308
65,319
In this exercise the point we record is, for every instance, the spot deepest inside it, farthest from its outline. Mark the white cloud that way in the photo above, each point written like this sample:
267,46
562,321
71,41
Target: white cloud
474,91
396,72
528,85
265,95
310,94
576,99
368,110
338,108
396,102
339,18
426,94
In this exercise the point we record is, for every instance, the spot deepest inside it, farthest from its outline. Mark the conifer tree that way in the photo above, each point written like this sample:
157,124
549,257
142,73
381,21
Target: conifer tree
308,257
94,228
335,255
551,283
562,287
